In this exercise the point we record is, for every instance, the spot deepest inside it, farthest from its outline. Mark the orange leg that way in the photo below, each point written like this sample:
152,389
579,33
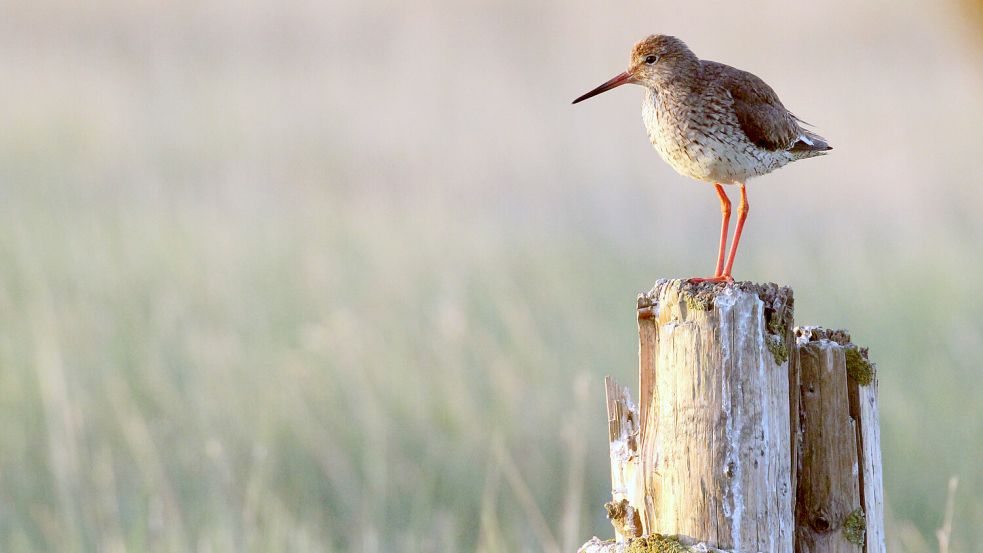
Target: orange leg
742,211
724,223
718,274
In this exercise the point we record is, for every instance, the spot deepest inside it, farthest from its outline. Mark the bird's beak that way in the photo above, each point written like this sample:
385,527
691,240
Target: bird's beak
621,79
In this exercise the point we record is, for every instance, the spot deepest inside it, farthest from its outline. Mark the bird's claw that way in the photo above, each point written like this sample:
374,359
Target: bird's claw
720,278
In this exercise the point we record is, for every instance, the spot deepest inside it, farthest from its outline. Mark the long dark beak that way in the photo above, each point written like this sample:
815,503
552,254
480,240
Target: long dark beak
613,83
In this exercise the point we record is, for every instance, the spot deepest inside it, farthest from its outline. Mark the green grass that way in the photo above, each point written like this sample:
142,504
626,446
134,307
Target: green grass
288,381
336,377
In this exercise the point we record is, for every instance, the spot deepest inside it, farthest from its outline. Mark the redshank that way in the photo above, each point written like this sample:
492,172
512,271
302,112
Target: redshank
713,123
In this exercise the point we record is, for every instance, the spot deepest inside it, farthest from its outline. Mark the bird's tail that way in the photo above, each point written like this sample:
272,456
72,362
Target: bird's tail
809,142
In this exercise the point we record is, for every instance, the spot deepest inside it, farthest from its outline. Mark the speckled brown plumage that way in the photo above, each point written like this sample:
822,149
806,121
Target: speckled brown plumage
713,123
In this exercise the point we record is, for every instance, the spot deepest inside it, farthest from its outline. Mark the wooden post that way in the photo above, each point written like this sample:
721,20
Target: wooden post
713,458
829,491
623,432
840,495
715,427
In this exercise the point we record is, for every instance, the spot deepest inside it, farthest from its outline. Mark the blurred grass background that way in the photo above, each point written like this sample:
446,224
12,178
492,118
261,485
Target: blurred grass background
346,277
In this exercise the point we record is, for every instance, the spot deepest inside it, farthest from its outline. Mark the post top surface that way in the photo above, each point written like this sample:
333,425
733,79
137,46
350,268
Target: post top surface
707,292
817,333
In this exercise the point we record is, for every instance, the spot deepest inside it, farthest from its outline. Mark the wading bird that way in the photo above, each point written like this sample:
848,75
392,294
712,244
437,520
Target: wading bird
713,123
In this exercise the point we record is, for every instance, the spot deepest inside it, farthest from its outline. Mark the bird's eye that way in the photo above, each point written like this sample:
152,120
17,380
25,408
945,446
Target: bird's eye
651,59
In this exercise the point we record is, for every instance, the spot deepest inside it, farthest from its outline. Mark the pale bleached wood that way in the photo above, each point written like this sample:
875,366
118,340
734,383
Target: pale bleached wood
646,335
863,409
623,440
716,429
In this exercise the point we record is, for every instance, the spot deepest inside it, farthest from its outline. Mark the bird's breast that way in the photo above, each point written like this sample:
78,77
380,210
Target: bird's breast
667,131
700,142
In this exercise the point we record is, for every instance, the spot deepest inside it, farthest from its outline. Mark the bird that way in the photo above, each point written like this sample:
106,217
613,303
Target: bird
713,123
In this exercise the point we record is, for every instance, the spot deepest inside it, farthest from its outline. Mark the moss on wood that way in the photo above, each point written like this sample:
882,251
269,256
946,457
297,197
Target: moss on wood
855,527
776,345
858,367
699,298
656,543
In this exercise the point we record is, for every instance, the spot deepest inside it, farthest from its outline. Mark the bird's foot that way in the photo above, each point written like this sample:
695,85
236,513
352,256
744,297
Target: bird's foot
719,278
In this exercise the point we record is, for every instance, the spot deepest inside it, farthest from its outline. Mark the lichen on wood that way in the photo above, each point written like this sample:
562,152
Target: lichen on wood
858,367
656,543
699,298
855,526
776,345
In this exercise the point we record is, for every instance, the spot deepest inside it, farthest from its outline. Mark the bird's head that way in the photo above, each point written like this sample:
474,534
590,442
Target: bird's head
655,62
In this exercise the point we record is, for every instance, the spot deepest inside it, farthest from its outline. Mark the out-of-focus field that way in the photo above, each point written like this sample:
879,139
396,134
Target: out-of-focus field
320,277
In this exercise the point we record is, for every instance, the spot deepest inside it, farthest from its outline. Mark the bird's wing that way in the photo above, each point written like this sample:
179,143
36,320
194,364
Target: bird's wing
761,114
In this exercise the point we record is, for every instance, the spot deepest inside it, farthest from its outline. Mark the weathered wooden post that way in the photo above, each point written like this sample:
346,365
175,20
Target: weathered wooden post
840,498
713,457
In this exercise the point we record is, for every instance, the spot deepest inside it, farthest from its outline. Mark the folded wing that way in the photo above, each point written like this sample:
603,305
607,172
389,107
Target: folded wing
761,114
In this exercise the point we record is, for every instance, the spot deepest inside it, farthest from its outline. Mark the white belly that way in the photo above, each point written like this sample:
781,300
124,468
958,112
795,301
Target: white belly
706,154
